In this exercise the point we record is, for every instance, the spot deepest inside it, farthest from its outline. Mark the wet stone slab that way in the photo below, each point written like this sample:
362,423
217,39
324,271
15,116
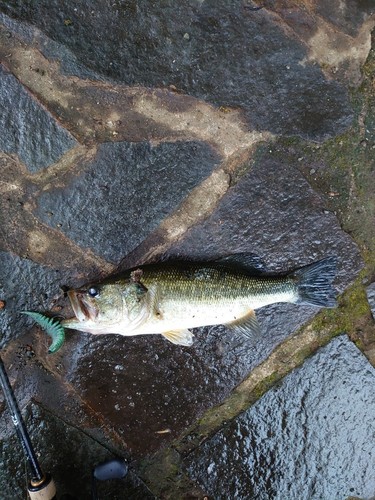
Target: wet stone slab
223,53
144,385
49,48
68,454
274,213
310,438
27,129
124,193
24,285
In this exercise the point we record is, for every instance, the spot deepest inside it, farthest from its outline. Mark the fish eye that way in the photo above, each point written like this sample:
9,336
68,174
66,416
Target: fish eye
93,291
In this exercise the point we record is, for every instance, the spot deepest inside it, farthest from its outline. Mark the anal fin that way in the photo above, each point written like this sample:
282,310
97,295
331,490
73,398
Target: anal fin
246,326
179,337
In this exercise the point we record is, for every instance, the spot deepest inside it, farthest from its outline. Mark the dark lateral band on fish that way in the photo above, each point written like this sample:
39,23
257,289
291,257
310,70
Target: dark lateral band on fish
171,297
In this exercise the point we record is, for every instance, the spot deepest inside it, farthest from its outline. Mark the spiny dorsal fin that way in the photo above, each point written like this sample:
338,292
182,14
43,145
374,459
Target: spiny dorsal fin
249,262
179,337
246,326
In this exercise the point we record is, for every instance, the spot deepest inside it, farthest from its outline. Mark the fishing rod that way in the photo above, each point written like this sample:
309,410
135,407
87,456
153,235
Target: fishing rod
41,486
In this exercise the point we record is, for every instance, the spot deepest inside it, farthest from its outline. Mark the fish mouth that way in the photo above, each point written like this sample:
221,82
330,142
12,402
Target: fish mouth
82,309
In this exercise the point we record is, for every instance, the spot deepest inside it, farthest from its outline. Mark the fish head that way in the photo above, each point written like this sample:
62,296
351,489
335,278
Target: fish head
100,308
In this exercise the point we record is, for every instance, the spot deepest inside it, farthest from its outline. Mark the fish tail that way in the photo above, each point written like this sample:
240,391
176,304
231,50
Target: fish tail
314,283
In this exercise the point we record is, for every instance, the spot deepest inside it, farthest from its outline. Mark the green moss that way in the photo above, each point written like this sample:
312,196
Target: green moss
264,386
352,306
341,169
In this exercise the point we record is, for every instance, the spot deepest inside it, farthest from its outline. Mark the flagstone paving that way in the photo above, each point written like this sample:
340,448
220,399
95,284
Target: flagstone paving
194,130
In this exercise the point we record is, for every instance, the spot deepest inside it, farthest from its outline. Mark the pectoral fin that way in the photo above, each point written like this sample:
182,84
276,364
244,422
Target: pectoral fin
179,337
247,326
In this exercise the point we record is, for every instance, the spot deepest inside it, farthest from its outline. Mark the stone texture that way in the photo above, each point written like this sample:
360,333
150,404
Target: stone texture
68,454
302,440
265,73
24,285
50,49
27,129
190,79
274,213
124,193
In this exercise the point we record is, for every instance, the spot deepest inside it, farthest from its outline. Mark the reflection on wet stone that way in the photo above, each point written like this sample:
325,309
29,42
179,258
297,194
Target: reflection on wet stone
232,57
124,193
27,129
24,285
302,439
184,81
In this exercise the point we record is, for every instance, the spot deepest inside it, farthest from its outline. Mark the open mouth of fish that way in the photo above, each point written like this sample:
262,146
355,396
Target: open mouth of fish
82,309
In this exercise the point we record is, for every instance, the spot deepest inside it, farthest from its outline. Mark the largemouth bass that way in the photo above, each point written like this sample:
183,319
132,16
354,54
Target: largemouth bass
171,297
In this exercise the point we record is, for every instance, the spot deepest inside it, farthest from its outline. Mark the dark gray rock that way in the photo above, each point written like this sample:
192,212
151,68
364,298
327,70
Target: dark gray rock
24,285
27,129
311,438
124,193
68,454
221,52
273,212
49,48
144,385
370,291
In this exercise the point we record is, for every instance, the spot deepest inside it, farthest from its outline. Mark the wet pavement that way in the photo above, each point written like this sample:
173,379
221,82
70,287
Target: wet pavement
196,130
302,439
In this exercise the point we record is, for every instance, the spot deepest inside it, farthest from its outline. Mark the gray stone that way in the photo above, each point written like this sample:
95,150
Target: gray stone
48,47
27,129
124,193
65,452
233,57
273,212
310,438
169,386
370,291
24,285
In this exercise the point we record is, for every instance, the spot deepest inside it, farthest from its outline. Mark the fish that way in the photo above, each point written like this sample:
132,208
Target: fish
172,297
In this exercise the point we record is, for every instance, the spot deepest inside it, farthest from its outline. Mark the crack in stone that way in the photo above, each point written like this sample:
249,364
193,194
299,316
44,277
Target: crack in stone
94,111
101,112
333,49
195,208
23,233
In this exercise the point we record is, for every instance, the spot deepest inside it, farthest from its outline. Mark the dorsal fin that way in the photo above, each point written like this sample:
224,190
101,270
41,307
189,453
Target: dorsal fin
249,262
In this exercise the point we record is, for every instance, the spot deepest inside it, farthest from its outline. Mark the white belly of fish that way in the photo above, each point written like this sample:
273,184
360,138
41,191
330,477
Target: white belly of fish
174,315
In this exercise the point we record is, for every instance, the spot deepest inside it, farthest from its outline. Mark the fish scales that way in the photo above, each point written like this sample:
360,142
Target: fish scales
170,298
215,285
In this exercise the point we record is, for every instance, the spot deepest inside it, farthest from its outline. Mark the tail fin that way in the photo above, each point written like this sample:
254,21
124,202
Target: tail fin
314,283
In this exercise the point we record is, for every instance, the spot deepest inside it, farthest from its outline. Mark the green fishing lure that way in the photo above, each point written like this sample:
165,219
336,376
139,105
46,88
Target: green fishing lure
52,327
